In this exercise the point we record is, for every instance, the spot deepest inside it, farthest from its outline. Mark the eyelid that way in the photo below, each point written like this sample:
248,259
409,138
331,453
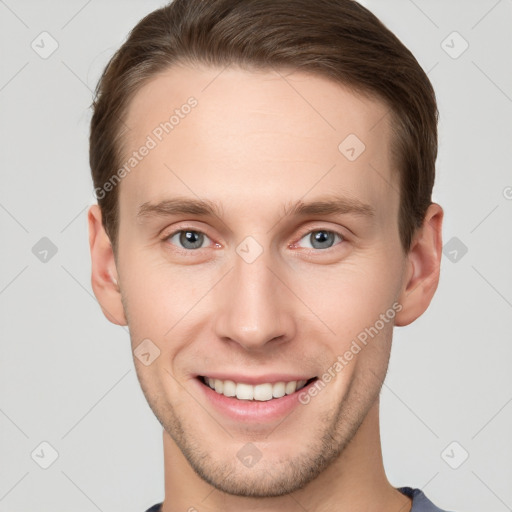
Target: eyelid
167,233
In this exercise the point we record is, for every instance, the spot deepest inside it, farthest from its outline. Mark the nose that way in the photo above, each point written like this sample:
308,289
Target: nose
254,307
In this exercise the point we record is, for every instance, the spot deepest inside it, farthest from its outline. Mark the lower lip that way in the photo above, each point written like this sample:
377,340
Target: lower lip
252,411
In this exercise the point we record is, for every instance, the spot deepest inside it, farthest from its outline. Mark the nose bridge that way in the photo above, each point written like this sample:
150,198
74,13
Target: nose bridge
255,310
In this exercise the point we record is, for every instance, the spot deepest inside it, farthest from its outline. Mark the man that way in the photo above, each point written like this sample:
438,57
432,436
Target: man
264,173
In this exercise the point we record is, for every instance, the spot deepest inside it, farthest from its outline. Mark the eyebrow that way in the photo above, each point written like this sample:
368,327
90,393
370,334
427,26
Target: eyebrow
179,206
333,205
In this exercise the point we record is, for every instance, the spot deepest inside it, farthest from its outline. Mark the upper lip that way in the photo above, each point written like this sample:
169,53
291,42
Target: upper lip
271,378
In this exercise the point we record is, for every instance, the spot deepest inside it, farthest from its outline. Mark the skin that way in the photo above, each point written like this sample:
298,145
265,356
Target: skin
256,142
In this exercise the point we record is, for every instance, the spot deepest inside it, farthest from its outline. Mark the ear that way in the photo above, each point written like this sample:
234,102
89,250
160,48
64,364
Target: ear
422,268
104,273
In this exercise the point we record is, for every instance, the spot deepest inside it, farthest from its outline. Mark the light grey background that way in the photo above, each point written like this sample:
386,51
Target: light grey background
67,376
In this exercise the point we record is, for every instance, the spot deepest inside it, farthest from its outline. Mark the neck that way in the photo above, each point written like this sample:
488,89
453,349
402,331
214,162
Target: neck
355,481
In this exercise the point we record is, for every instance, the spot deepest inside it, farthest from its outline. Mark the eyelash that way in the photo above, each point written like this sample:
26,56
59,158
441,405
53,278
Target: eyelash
189,251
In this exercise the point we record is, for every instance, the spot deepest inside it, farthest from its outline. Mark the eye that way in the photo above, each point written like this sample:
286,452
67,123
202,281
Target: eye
188,239
192,239
321,238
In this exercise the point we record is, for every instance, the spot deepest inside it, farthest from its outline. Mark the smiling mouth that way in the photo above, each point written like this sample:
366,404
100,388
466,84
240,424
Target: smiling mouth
260,392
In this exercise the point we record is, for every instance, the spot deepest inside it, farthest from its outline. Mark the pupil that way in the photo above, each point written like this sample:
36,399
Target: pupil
190,239
320,238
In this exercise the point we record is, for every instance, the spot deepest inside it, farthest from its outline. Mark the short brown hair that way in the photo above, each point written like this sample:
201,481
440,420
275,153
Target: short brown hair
337,39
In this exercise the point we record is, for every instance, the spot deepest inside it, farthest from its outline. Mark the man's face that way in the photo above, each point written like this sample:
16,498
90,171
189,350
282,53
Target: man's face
252,293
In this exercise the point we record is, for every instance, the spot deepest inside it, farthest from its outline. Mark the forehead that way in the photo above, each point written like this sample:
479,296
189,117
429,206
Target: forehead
262,134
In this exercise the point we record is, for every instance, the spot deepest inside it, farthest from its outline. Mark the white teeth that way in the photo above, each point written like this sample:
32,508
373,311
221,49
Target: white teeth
263,392
260,392
291,387
244,391
279,389
229,388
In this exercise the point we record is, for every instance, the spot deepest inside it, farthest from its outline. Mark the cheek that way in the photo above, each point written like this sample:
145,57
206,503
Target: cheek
351,295
159,296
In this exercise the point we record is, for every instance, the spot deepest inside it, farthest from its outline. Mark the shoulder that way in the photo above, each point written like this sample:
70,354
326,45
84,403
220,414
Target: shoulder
154,508
420,503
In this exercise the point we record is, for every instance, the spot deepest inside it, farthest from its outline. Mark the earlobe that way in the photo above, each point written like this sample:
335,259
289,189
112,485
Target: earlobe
104,278
423,267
